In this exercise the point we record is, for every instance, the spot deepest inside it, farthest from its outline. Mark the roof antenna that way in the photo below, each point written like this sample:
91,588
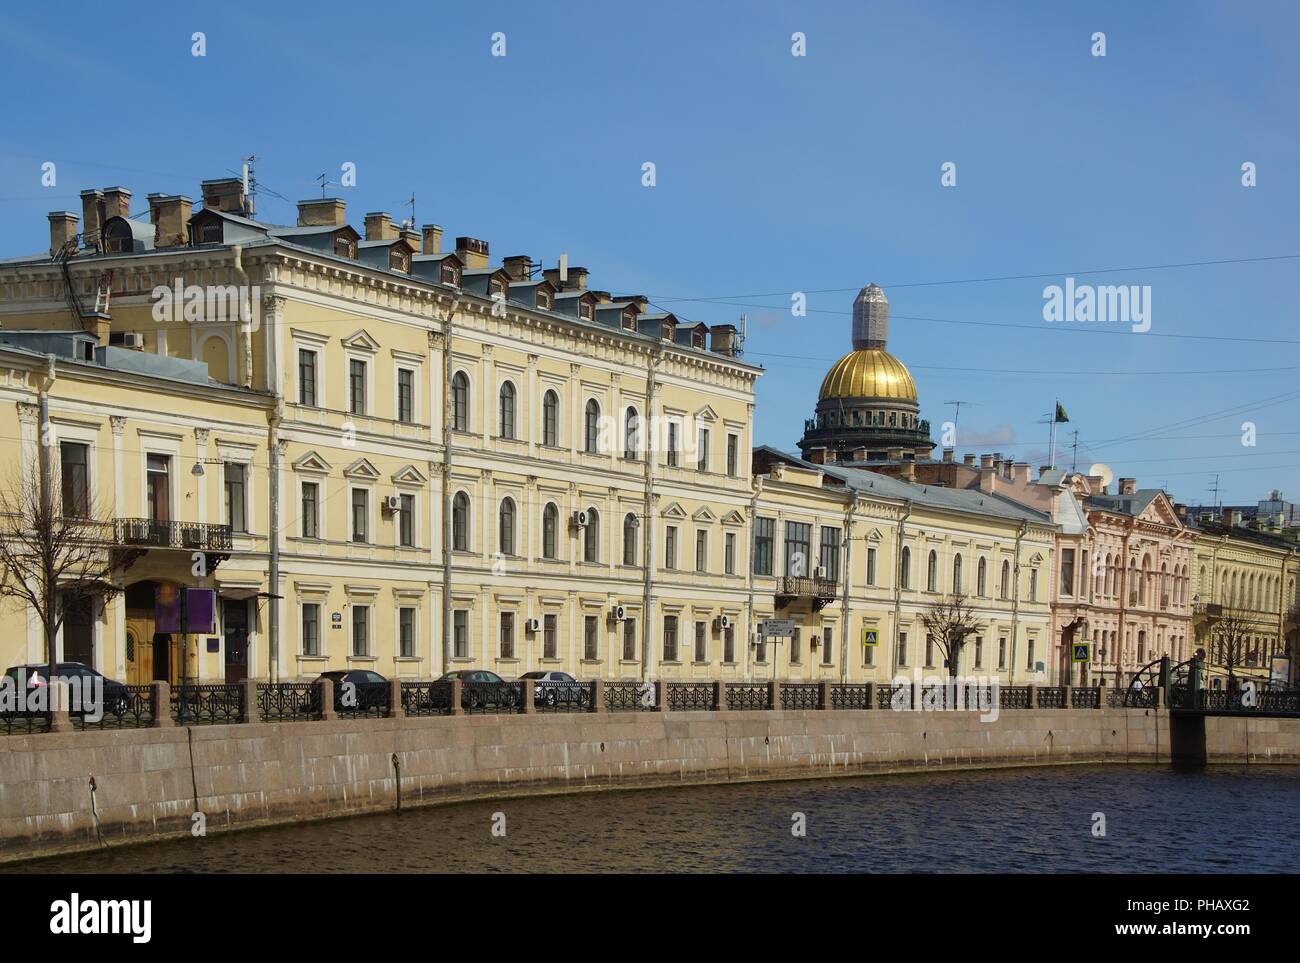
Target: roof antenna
744,329
250,185
957,414
410,224
324,183
564,268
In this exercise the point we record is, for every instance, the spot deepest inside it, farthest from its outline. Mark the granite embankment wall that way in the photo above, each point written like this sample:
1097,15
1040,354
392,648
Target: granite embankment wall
149,782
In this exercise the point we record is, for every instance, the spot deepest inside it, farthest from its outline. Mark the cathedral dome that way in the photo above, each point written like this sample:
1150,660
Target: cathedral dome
868,373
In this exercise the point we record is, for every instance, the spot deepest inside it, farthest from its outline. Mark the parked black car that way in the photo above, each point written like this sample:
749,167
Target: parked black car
88,690
483,689
355,691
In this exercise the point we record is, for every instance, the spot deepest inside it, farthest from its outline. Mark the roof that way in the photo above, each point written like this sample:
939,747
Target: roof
1134,504
933,496
1248,535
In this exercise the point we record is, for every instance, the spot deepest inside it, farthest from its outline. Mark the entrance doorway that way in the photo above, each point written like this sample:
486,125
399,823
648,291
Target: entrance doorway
79,630
234,622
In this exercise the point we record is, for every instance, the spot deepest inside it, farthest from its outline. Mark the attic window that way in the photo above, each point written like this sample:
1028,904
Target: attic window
343,246
495,287
210,233
449,273
584,311
629,319
117,238
543,299
397,259
697,339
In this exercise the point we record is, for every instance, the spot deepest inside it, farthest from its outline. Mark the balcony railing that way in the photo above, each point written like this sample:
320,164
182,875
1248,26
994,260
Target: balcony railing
188,536
819,591
1210,609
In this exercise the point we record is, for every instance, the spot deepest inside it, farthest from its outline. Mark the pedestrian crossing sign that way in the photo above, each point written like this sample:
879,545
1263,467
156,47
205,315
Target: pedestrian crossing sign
1081,653
869,636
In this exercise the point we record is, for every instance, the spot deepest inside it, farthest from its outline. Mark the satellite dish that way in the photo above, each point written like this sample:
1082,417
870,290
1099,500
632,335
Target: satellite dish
1104,472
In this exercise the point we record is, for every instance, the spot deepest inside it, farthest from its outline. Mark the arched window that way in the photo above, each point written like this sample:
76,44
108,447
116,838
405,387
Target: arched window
591,537
905,568
631,435
551,419
932,572
460,402
506,411
506,527
1006,580
550,531
956,575
629,539
460,522
591,427
981,577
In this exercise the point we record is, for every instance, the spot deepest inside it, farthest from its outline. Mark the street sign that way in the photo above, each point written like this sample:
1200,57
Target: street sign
1080,651
778,628
870,636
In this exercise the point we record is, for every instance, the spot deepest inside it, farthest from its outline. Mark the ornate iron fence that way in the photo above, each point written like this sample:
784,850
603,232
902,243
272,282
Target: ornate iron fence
426,698
1279,700
485,697
749,695
1051,697
23,723
801,695
623,696
562,697
683,696
980,698
1128,698
848,696
894,697
128,707
1085,698
361,699
1014,697
216,703
287,701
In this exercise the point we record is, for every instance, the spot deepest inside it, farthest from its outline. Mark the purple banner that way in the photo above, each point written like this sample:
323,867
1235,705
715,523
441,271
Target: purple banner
167,609
200,610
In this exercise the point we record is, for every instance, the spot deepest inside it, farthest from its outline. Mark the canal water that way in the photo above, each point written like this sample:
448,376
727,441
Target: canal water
1225,819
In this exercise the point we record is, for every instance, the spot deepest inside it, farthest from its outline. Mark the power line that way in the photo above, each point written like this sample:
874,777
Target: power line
1050,371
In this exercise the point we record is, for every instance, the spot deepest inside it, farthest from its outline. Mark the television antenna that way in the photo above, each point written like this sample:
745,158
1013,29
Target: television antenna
957,414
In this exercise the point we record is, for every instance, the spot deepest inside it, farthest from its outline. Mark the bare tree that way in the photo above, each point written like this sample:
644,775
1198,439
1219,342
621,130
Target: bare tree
54,551
949,621
1230,643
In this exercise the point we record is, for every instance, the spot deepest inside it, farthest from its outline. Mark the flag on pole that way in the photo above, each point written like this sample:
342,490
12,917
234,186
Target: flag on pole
1060,414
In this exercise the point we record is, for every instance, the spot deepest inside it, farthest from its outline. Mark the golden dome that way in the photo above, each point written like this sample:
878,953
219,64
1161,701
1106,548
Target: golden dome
868,373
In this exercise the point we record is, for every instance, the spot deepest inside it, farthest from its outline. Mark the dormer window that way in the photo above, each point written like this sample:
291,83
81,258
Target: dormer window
697,339
629,319
398,260
584,311
117,237
210,233
449,275
543,299
345,247
496,289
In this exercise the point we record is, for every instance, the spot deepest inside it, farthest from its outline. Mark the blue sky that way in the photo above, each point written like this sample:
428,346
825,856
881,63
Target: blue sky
775,174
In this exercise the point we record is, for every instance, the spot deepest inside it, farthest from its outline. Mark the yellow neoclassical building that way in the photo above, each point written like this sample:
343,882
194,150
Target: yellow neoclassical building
374,453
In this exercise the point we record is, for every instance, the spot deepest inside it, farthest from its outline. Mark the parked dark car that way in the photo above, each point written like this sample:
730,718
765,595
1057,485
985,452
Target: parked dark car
554,689
483,689
86,688
355,690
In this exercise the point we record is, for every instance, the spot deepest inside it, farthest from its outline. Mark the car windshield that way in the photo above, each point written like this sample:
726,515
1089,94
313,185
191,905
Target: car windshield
533,675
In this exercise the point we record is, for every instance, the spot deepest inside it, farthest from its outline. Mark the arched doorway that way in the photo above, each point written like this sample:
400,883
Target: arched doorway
158,656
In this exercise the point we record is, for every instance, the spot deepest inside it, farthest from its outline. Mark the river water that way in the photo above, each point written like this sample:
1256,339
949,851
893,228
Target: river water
1225,819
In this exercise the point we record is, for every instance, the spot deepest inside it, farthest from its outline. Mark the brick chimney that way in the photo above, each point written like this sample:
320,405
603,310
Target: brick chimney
63,228
92,215
431,239
948,454
379,227
518,266
1020,472
1128,486
722,339
472,252
322,212
968,460
816,455
170,214
117,202
908,472
225,194
986,461
577,278
988,476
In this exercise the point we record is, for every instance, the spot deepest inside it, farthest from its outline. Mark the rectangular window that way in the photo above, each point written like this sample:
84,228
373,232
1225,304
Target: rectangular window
830,552
733,455
1002,653
760,651
979,652
670,638
75,479
310,628
1067,571
406,522
828,645
357,387
764,536
1029,655
236,508
629,640
590,638
158,487
929,651
701,550
550,636
310,511
360,513
901,653
672,444
507,635
871,566
729,553
798,544
1033,585
670,548
729,645
360,630
868,654
703,464
406,632
796,651
701,641
405,395
306,377
460,634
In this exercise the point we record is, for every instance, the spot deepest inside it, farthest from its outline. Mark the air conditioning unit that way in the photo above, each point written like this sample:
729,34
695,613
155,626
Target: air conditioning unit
392,503
533,625
126,339
722,622
618,613
578,520
820,571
